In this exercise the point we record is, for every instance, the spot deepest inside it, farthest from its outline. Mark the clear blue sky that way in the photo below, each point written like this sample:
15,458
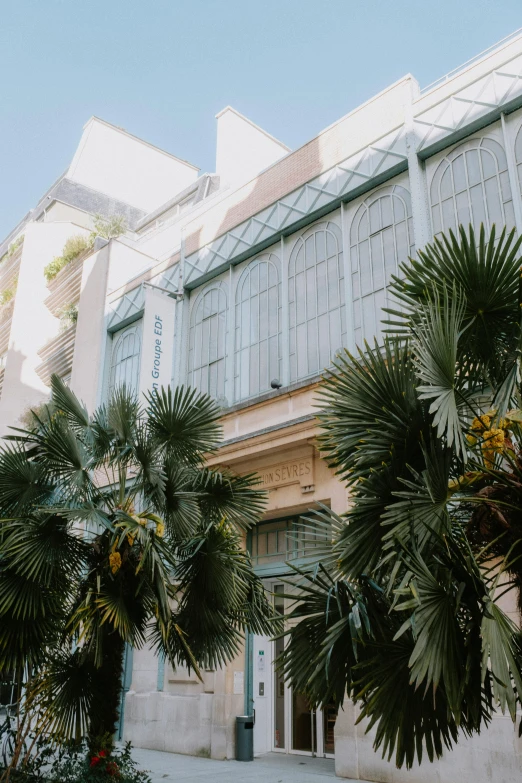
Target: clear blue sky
162,69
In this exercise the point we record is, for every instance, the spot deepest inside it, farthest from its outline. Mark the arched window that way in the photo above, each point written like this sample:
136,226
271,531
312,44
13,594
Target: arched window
471,185
125,363
207,341
381,237
317,308
258,327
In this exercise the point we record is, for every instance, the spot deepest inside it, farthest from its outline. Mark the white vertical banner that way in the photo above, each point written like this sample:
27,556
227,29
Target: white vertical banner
157,341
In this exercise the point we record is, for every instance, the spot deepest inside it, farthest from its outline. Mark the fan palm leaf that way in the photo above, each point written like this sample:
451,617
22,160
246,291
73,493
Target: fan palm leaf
113,532
432,537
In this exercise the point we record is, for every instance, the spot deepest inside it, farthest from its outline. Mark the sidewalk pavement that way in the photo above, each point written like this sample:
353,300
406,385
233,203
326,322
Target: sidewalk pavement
271,768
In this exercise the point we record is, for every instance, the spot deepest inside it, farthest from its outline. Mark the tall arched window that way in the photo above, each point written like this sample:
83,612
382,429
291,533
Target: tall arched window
207,341
317,308
381,237
258,327
471,185
125,360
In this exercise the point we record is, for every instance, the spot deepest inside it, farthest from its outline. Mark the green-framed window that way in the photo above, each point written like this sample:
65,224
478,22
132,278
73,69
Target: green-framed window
272,544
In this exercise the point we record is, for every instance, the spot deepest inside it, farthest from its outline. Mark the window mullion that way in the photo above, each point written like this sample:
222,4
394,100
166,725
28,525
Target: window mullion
514,184
228,346
348,287
285,308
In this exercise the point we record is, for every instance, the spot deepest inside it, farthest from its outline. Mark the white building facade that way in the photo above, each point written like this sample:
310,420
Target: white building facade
260,271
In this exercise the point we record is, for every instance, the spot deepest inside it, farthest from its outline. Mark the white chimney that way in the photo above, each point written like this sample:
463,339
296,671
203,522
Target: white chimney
243,148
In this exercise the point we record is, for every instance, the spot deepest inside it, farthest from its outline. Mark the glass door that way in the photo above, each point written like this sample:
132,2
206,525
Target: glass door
298,727
329,714
279,687
304,725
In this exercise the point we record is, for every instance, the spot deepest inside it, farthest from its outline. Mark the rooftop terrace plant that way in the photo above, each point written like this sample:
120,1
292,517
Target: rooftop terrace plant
73,247
8,293
68,315
13,247
107,228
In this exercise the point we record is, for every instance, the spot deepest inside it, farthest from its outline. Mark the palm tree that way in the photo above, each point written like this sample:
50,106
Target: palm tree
402,613
114,532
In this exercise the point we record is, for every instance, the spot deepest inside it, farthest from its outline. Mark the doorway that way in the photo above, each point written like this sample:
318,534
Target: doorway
285,721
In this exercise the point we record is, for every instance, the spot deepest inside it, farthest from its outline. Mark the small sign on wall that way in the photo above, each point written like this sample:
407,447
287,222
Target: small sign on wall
239,683
261,662
157,341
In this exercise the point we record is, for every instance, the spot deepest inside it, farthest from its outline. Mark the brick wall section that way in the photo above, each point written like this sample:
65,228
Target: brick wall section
352,133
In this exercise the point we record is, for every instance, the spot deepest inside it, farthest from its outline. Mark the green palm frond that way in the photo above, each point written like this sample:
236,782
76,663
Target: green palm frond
177,499
215,582
359,546
407,721
420,508
225,494
484,275
502,657
436,362
332,629
44,549
65,400
65,455
370,413
432,539
31,620
184,422
67,696
112,527
24,483
123,414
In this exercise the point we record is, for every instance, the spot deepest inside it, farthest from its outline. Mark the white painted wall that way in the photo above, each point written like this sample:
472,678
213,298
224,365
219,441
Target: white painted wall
163,241
187,716
125,263
115,163
33,324
59,212
494,755
91,334
243,149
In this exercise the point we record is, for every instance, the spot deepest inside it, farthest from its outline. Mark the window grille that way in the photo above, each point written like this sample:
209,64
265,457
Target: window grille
207,342
125,364
471,185
258,327
317,310
381,237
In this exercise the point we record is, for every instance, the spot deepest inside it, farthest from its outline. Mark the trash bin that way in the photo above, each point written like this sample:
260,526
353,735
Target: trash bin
245,738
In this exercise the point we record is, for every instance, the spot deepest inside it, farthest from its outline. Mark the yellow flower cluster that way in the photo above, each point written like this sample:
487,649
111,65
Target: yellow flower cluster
492,437
115,562
481,423
143,522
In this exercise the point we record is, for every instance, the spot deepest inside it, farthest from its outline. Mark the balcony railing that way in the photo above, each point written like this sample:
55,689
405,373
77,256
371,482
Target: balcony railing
482,55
